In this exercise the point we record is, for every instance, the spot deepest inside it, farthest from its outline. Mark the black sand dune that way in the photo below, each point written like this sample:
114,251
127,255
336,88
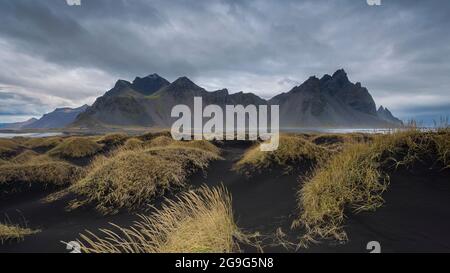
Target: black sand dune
415,217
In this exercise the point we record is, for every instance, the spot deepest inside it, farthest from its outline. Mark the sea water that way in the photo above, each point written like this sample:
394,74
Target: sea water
32,135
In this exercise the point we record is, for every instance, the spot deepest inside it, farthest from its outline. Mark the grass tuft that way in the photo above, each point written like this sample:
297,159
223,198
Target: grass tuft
12,232
8,148
76,147
43,143
132,178
198,221
159,141
13,177
293,153
133,143
24,157
357,177
113,140
350,179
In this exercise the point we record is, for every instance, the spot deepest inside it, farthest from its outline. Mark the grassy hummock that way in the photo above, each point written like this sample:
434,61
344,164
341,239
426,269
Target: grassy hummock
293,153
357,177
131,178
76,147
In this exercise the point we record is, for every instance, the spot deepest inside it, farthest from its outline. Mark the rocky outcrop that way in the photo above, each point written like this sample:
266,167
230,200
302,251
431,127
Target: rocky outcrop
386,115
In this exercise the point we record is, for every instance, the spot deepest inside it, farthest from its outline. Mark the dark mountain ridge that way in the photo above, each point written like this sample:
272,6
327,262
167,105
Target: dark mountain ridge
331,101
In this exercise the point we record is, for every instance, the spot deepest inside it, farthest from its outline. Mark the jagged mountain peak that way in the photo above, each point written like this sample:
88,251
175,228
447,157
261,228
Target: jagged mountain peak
381,108
183,80
325,78
183,84
340,74
149,84
385,114
329,101
121,83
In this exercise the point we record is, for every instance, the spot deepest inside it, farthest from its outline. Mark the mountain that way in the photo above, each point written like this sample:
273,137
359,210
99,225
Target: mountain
59,118
18,125
331,101
124,105
150,84
386,115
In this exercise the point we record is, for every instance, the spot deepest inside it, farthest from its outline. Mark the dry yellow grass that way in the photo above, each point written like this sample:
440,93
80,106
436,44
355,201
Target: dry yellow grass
198,221
293,153
337,141
350,179
159,141
133,143
13,232
165,141
132,178
8,148
112,140
408,147
43,143
190,159
76,147
150,136
442,142
357,177
42,173
24,157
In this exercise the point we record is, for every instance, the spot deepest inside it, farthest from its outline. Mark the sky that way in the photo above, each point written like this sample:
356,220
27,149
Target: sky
56,55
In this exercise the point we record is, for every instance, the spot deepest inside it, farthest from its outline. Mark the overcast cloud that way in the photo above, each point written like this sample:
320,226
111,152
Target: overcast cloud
54,55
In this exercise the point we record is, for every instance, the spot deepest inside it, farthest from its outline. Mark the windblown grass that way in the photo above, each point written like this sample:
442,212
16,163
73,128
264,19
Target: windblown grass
113,140
133,143
24,157
14,177
195,222
76,147
407,148
46,143
13,232
8,148
350,179
292,154
190,159
150,136
165,141
337,141
159,141
132,178
356,178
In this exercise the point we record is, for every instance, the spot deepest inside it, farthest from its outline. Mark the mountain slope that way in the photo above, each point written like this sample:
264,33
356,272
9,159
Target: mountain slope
332,101
18,125
386,115
59,118
125,106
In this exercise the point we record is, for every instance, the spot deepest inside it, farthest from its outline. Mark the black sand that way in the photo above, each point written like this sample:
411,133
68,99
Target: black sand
415,217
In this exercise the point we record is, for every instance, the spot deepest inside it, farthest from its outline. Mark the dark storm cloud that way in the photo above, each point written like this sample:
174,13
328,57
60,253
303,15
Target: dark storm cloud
17,104
64,54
